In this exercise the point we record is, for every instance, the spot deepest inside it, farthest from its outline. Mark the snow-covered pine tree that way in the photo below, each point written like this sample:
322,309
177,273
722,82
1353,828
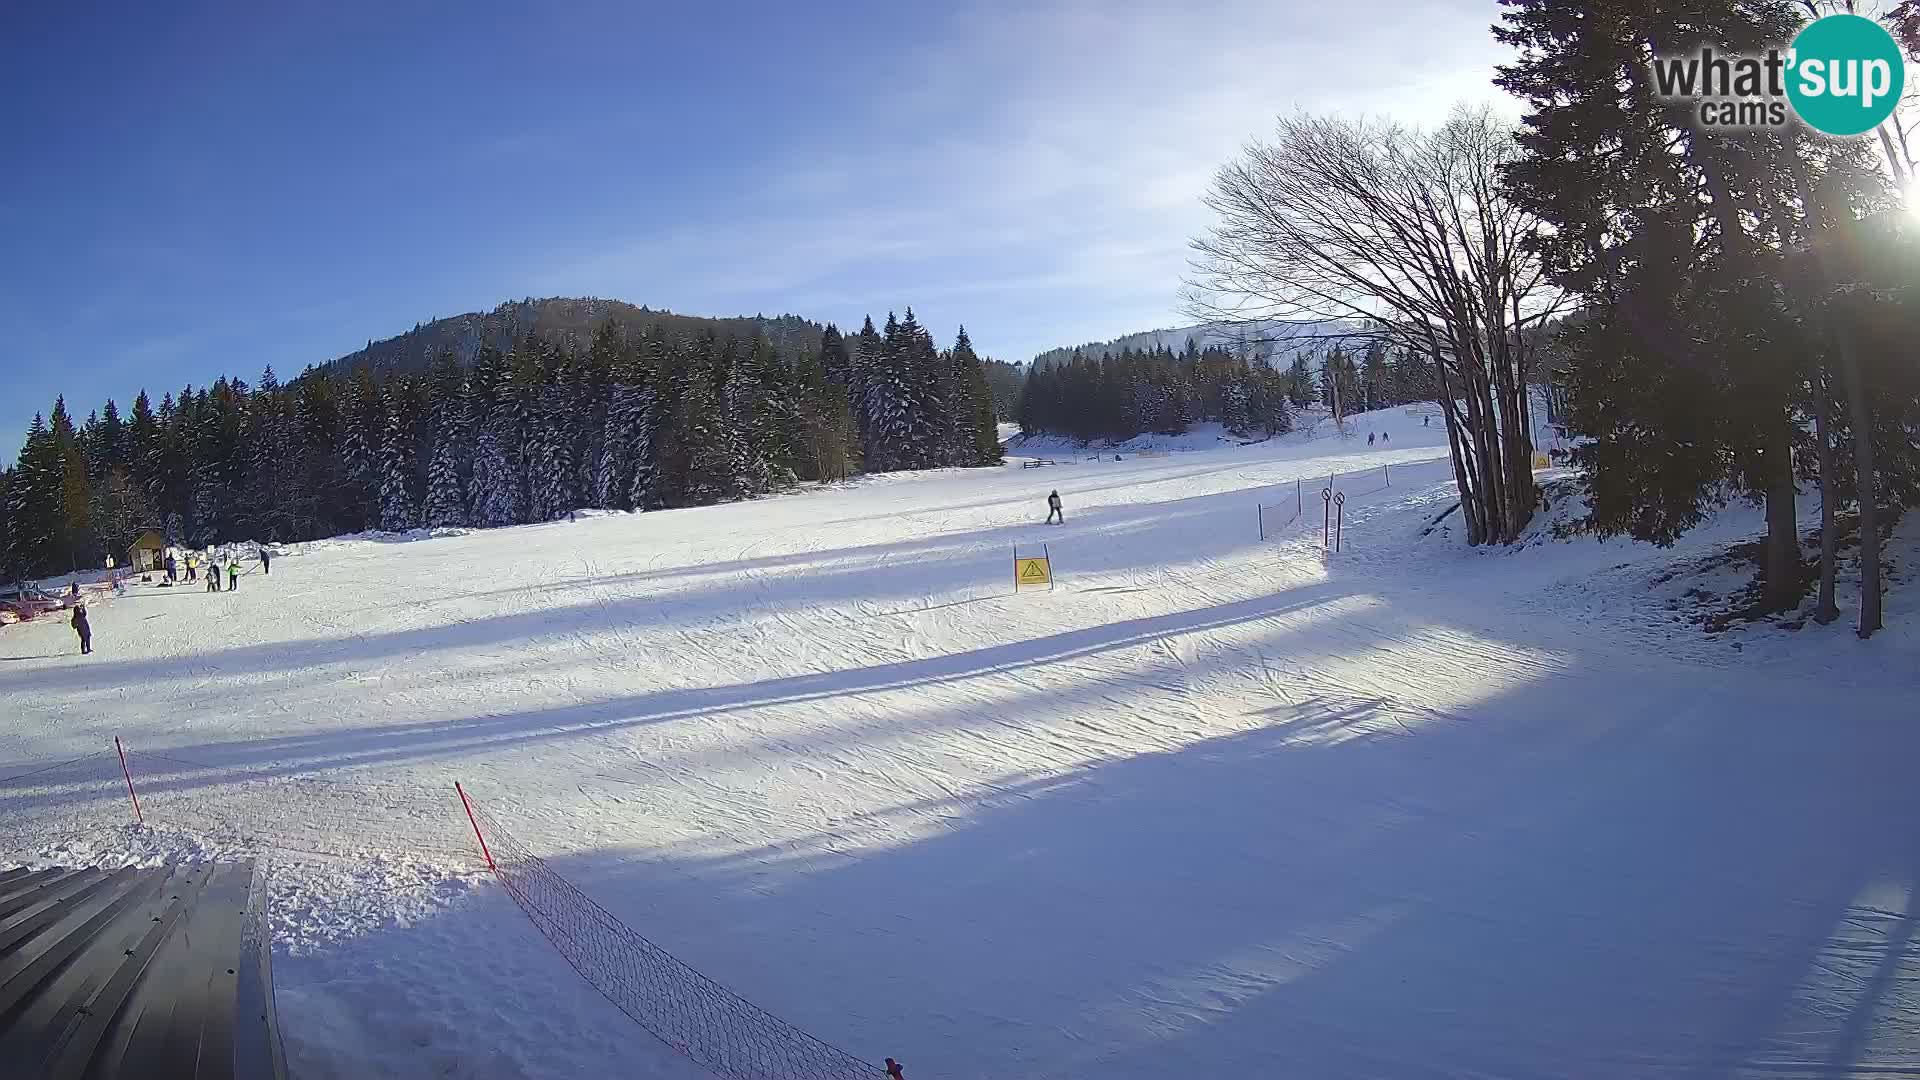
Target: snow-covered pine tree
627,474
297,470
569,404
927,433
612,341
396,496
550,464
1300,382
358,442
111,445
711,461
492,492
889,401
835,361
867,352
613,465
982,428
262,447
1234,411
648,410
764,408
214,430
446,497
446,502
142,436
34,498
727,458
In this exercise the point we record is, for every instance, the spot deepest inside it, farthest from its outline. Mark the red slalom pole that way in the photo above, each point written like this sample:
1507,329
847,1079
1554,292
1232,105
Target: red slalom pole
128,773
476,826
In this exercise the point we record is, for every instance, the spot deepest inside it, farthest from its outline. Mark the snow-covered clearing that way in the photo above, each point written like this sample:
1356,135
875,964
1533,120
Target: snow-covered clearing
1211,807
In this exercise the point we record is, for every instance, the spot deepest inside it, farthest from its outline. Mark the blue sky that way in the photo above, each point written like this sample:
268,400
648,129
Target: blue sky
198,189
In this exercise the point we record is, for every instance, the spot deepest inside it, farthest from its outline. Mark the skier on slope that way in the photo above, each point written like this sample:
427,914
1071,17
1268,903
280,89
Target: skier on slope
233,572
1385,439
83,628
1053,508
1369,438
266,562
213,579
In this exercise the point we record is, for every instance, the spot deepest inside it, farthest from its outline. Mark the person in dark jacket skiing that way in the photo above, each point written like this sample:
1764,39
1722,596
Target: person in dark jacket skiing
266,562
213,579
1053,509
173,569
1369,438
83,628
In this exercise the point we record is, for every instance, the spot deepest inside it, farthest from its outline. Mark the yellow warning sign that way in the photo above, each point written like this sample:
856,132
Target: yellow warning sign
1032,572
1542,461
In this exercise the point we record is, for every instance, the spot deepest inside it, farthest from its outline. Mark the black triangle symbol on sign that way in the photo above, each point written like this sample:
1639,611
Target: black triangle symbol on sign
1033,571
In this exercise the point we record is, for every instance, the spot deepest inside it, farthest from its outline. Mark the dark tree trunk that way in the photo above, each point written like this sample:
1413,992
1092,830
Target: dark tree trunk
1465,477
1783,541
1825,610
1861,415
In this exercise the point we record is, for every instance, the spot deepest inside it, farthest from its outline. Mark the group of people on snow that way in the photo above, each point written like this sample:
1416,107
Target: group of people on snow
193,564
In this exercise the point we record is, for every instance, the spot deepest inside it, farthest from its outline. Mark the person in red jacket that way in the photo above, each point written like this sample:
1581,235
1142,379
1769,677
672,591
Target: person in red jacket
893,1070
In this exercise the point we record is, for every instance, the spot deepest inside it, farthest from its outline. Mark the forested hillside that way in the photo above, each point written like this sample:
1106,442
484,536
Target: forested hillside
566,321
650,414
1274,342
1118,395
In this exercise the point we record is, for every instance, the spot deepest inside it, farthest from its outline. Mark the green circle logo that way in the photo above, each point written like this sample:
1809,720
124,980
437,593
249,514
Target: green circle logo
1847,74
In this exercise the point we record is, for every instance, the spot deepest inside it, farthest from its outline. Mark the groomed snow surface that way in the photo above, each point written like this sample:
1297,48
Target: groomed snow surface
1211,807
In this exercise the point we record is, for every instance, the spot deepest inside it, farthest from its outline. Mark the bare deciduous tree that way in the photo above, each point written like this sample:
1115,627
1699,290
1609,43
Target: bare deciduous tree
1407,232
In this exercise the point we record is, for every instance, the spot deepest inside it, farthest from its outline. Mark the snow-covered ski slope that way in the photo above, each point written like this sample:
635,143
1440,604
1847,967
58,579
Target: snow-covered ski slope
1210,807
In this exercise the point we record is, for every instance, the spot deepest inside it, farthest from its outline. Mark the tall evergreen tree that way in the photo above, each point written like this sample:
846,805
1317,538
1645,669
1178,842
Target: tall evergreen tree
493,491
446,501
396,496
981,445
1665,230
888,382
35,502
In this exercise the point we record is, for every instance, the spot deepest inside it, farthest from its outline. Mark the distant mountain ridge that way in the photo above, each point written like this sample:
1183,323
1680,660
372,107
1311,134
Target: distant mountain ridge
562,320
1275,341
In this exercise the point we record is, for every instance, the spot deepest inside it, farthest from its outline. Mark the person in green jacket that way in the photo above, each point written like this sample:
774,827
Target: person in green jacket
233,573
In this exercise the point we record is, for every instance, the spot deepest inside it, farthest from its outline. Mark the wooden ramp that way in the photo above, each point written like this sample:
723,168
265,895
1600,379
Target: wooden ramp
160,972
